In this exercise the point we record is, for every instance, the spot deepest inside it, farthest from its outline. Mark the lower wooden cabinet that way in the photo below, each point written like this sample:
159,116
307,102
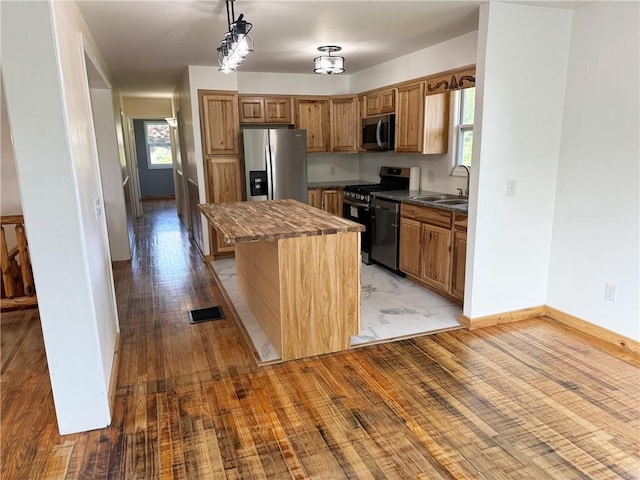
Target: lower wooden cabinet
329,200
410,246
425,245
332,201
224,184
458,256
314,198
435,255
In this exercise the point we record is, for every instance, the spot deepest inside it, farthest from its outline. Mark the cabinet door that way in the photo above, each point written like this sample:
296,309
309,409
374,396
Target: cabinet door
387,101
436,254
380,102
224,184
314,198
344,124
312,115
332,201
410,118
278,110
252,109
410,247
220,126
458,263
362,113
436,123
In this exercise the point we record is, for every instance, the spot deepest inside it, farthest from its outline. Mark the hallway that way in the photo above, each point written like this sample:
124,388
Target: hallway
530,399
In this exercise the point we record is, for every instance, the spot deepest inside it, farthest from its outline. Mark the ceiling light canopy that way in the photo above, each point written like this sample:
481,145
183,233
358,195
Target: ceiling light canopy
326,64
237,43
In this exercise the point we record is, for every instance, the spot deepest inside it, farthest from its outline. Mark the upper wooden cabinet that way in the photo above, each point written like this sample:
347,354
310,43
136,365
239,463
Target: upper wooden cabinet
265,109
312,115
422,122
409,118
380,102
220,126
251,109
436,123
344,124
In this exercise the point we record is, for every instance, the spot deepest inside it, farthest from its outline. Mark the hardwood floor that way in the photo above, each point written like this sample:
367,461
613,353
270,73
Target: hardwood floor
527,400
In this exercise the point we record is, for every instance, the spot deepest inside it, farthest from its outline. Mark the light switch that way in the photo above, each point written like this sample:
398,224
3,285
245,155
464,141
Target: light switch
511,188
97,207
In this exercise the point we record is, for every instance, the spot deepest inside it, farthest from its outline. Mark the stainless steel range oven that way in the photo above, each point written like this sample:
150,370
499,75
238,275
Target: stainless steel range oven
356,204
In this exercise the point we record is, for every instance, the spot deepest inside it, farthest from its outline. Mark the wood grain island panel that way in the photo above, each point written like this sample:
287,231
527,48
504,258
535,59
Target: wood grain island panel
298,268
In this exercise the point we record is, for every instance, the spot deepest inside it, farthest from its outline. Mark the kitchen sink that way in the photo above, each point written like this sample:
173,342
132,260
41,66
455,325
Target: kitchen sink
434,198
453,201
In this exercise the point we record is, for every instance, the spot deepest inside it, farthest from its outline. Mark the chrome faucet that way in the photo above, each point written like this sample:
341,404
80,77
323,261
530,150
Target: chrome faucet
466,192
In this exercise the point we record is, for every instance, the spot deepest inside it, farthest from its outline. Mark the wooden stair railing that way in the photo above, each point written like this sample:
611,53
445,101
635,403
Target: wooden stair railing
18,289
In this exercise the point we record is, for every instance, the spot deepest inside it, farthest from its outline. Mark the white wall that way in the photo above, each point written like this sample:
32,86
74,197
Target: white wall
109,159
292,84
59,181
455,53
595,228
143,107
320,165
520,77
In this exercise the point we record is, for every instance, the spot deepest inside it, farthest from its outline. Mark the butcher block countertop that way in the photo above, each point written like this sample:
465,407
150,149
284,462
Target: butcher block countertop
272,220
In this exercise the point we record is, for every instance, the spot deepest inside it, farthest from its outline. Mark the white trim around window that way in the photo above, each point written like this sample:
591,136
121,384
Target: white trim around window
158,149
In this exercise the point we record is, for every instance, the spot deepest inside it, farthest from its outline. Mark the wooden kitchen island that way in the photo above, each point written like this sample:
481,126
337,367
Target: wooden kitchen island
298,268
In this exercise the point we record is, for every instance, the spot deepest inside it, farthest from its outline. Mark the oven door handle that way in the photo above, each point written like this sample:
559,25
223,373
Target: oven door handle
355,204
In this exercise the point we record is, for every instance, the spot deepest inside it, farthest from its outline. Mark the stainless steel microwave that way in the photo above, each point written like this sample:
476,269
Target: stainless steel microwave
378,133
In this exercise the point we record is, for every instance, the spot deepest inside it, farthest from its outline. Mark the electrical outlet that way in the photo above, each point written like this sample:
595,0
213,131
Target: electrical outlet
610,292
332,169
431,176
511,188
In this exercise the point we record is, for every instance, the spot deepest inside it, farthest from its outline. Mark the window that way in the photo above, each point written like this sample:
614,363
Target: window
158,139
464,125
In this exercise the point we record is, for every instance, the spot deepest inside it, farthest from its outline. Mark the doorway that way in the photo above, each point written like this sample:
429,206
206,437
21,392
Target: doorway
155,158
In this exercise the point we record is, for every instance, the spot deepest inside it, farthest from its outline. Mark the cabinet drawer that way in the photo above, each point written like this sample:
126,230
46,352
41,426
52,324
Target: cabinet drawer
433,216
460,222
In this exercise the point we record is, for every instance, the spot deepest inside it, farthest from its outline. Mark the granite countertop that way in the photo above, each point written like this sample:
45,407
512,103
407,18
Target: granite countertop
405,197
337,184
273,220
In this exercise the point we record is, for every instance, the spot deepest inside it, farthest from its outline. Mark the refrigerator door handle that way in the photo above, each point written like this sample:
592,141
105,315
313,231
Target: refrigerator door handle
269,168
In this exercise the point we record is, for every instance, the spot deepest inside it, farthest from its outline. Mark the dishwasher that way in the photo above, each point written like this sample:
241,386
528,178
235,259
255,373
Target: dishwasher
385,234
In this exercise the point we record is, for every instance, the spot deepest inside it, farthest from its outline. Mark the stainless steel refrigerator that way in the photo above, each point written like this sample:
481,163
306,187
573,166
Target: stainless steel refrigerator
275,164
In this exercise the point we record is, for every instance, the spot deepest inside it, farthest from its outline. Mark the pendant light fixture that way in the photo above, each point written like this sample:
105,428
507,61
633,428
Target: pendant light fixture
326,64
237,43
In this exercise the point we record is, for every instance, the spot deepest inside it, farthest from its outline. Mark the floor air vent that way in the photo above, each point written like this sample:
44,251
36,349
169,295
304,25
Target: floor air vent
205,314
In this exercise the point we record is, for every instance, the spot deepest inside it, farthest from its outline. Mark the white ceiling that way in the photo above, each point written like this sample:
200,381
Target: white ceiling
147,44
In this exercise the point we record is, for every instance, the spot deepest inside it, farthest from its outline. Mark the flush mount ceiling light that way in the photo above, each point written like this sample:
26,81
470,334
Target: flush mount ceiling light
237,43
326,64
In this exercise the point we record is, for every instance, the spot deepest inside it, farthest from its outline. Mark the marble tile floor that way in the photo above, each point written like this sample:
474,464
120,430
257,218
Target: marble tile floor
392,308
